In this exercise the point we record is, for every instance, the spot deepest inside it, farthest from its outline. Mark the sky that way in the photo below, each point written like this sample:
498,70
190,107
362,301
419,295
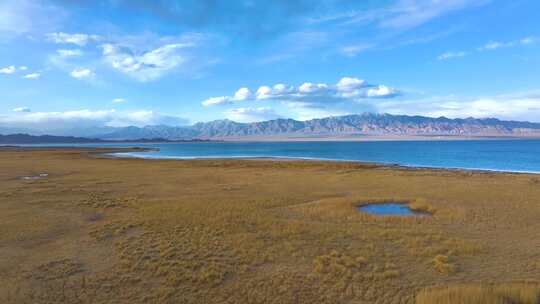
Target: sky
71,64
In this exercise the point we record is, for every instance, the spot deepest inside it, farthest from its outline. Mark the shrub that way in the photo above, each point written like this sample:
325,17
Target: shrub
422,205
442,265
390,274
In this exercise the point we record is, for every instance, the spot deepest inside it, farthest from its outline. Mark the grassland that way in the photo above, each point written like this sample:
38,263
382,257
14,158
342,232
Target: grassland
98,230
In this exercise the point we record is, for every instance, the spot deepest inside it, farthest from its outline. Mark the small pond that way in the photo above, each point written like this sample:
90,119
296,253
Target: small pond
390,208
39,176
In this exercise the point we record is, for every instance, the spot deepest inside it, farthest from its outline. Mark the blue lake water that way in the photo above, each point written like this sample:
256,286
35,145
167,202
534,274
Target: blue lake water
389,209
498,155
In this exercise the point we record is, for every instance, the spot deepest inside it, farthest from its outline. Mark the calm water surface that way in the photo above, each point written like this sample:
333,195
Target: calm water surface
390,209
499,155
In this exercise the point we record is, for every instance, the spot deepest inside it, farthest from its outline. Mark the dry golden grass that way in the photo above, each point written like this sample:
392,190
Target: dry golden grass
442,264
102,230
422,205
520,293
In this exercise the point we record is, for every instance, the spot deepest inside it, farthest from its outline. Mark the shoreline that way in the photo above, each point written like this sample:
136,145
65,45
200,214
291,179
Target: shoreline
314,159
127,153
371,138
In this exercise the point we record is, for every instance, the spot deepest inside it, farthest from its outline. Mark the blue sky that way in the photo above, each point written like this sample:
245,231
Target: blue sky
73,64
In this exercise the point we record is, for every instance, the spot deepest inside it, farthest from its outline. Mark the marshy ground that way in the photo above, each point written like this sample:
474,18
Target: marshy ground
99,230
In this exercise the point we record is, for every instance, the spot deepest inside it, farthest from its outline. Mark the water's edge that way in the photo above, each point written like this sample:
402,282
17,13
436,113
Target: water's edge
518,157
293,158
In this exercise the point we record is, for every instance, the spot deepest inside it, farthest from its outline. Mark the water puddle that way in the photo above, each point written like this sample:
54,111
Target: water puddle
391,208
39,176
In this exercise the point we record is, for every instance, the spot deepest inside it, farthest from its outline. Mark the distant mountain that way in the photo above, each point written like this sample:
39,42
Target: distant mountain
366,124
51,139
44,139
161,131
349,125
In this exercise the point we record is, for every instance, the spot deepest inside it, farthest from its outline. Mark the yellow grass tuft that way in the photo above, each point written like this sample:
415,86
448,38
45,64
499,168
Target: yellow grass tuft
337,263
422,205
518,293
390,274
442,264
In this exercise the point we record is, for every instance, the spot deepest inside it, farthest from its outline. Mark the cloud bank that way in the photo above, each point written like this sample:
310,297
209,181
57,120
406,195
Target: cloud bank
490,46
517,106
77,39
81,119
347,89
252,114
148,65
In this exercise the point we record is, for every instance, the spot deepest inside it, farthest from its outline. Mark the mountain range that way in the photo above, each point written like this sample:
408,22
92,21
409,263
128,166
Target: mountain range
367,124
19,138
337,126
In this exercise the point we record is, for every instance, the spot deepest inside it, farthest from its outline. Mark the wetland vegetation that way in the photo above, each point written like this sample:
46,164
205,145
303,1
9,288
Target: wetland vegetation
101,230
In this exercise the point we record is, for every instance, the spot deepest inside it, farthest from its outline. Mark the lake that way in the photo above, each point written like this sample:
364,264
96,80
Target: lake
497,155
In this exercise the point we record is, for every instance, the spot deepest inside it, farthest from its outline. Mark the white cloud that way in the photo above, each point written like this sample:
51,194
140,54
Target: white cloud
144,118
348,89
311,88
490,46
494,45
28,16
382,91
77,39
32,76
302,113
54,121
527,40
8,70
450,55
69,53
354,50
119,100
214,101
147,65
349,86
242,94
22,109
12,69
264,92
81,73
411,13
517,106
402,14
282,89
252,114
